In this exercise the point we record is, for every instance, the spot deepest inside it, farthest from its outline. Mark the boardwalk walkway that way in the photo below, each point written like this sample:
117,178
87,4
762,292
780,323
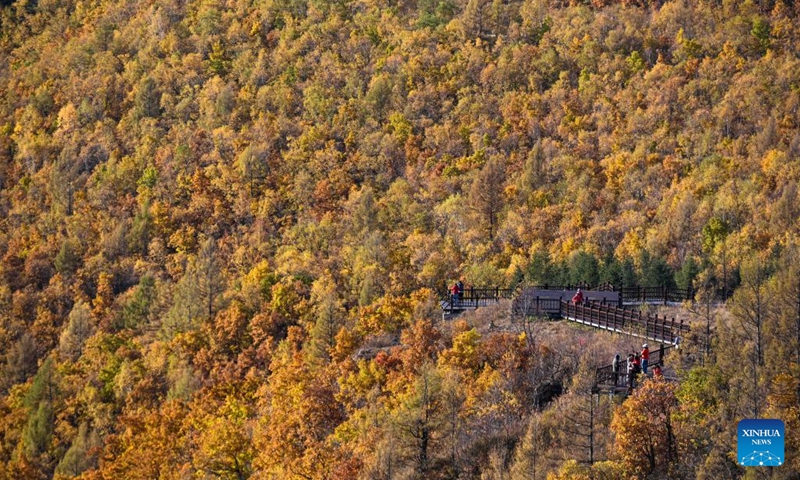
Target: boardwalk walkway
603,308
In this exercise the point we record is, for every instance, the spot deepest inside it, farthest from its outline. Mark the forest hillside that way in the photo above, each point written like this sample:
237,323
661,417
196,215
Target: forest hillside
225,226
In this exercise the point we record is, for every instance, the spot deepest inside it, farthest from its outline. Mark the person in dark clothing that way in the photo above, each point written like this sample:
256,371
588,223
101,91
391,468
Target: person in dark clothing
460,290
631,372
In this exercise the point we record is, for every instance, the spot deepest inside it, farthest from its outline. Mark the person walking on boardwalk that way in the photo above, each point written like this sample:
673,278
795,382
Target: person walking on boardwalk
645,358
578,298
615,368
460,286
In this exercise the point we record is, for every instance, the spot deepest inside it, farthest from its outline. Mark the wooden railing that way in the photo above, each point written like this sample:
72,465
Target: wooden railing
639,294
473,297
535,306
602,287
629,321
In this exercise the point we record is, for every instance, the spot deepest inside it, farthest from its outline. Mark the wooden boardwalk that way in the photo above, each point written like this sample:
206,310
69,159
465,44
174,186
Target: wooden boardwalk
629,322
602,308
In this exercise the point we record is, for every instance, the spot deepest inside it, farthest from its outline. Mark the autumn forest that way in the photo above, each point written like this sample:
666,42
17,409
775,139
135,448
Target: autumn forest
226,225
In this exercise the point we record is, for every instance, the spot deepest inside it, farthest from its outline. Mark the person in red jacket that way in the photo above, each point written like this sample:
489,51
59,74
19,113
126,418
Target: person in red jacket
455,291
645,358
578,298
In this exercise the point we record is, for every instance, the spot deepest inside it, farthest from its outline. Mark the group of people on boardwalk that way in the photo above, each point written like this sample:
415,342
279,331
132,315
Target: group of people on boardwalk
636,363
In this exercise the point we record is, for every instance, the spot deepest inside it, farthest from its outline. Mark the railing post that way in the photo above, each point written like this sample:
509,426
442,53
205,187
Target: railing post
671,329
655,328
658,332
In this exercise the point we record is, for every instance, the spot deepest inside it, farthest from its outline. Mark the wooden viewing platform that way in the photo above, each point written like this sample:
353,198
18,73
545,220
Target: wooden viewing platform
472,298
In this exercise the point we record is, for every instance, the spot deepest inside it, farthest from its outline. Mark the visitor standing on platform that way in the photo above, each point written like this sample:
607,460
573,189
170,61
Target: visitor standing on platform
645,358
455,293
578,298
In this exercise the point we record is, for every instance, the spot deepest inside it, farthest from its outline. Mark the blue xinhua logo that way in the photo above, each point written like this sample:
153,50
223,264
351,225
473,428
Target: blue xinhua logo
761,443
